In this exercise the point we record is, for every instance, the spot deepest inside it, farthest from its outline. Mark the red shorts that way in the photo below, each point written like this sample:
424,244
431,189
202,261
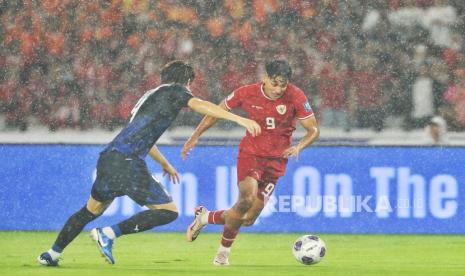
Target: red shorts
266,170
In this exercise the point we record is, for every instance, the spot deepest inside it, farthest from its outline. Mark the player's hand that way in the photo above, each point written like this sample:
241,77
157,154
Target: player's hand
188,146
293,151
172,173
252,127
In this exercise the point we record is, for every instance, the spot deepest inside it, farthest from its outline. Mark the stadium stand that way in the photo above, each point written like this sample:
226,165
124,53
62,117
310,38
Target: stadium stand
370,65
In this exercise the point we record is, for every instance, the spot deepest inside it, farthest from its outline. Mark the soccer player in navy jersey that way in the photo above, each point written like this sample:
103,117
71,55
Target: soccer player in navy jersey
121,169
275,104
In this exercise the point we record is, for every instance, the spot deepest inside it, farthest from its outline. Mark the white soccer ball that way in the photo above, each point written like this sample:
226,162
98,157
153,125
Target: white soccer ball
309,249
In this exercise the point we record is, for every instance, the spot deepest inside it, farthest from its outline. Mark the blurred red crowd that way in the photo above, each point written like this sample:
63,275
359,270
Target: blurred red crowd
83,64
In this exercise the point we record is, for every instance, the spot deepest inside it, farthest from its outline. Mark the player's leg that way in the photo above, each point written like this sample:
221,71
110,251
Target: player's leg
148,192
217,217
253,212
248,170
156,215
234,218
247,193
265,190
254,191
71,229
203,217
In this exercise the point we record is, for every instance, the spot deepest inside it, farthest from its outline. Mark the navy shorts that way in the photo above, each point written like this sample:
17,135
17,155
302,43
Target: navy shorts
119,175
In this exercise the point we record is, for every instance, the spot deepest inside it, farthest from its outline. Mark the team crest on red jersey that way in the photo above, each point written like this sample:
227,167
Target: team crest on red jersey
281,109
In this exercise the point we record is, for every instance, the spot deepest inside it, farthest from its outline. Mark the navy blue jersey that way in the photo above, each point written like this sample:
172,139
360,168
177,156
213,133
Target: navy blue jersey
150,117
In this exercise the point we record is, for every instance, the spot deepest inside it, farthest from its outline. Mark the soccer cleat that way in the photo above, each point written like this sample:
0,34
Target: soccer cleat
196,226
104,244
221,258
47,260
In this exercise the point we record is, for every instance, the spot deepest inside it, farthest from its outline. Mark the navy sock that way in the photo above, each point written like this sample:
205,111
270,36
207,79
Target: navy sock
72,228
145,220
57,249
116,230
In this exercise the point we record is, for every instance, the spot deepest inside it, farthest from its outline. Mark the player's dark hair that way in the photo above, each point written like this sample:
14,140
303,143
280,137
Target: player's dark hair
278,67
177,71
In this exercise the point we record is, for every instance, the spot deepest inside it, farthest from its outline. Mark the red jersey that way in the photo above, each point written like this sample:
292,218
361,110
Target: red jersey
277,118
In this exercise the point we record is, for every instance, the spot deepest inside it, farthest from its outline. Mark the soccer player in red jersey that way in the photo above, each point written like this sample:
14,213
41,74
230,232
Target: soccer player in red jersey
275,104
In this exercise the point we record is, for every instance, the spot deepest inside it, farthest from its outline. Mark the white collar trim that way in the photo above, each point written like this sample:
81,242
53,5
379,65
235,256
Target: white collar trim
263,92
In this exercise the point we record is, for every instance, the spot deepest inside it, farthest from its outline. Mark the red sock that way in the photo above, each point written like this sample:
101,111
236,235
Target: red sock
229,235
214,217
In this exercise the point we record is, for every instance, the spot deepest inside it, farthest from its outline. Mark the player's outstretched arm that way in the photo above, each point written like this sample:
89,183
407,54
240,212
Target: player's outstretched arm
313,132
204,125
213,112
210,109
168,169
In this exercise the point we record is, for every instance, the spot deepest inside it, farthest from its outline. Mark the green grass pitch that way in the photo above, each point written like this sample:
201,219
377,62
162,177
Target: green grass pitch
253,254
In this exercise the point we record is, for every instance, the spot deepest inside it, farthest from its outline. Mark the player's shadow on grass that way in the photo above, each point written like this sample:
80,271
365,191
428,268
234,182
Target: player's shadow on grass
169,261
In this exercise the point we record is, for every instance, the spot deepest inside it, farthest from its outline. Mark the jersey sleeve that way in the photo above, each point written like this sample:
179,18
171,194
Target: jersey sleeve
235,98
183,95
303,107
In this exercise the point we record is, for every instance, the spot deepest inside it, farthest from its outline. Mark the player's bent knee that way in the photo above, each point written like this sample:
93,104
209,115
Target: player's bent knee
244,204
93,211
249,222
96,207
167,206
250,218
